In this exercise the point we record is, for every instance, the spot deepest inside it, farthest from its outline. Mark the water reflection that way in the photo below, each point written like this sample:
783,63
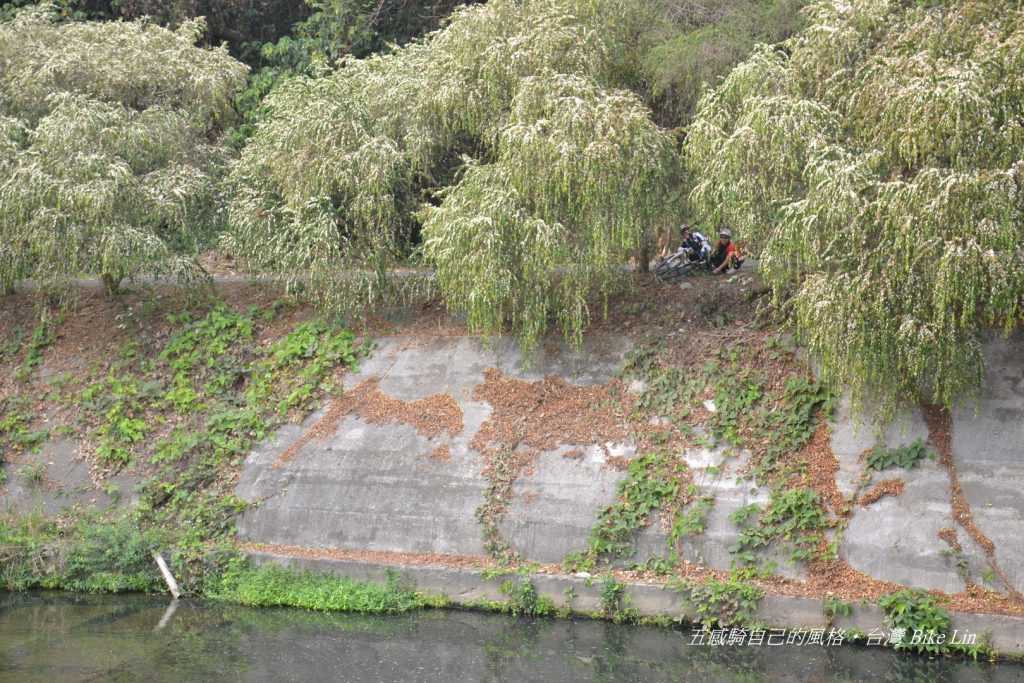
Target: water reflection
60,637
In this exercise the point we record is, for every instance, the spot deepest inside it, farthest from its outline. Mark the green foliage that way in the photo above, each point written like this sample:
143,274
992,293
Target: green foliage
615,602
42,337
145,407
723,603
693,44
199,356
105,133
63,10
746,413
735,396
916,612
16,434
247,391
793,421
93,555
33,474
297,364
612,591
650,483
121,400
338,28
794,517
112,558
334,30
873,165
329,194
691,521
273,586
524,601
239,23
882,458
236,22
835,607
668,391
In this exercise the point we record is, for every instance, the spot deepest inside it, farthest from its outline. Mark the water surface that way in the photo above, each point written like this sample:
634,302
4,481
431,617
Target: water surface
60,637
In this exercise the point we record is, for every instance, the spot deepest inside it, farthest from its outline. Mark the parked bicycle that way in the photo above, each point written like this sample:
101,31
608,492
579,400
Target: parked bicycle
693,255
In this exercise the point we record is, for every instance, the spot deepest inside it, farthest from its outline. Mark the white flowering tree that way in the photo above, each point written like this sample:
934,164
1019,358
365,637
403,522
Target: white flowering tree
106,161
501,138
875,164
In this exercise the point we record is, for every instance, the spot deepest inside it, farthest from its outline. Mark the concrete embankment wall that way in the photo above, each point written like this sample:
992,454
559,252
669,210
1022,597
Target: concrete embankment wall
343,482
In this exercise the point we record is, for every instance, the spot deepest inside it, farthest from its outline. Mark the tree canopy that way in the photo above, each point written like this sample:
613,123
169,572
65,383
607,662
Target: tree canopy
875,163
546,172
105,146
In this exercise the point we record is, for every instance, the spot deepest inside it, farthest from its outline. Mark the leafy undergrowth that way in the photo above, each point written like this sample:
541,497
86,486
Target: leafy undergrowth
653,482
750,395
925,626
794,519
732,601
906,457
179,404
91,555
272,586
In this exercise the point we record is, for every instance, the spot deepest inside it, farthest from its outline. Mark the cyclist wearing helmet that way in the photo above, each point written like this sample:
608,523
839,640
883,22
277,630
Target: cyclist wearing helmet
725,255
694,243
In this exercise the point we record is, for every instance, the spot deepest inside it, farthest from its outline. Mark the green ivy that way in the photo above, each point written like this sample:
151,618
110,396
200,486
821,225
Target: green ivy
794,516
925,626
725,603
652,480
882,458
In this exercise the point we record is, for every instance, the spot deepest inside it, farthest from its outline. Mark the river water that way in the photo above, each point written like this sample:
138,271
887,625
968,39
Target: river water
57,637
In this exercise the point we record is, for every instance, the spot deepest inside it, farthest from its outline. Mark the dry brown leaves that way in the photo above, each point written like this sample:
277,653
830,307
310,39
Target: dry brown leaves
819,469
430,416
886,487
617,463
983,601
542,415
940,433
837,577
948,536
442,453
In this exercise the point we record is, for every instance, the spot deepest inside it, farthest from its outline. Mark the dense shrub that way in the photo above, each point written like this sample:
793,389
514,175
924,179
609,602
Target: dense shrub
689,44
91,555
105,144
875,164
562,176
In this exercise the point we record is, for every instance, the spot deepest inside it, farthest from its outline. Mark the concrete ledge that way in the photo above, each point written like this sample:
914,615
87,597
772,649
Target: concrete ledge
578,595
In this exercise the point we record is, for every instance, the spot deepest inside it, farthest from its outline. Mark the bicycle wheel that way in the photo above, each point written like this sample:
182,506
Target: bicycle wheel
673,273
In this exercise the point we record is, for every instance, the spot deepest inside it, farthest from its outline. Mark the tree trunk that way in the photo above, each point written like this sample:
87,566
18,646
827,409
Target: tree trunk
111,284
644,258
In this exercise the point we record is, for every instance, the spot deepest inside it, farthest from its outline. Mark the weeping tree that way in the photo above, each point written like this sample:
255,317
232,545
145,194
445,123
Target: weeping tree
105,148
691,43
875,164
501,150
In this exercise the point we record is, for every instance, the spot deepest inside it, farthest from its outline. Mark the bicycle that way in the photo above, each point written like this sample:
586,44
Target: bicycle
679,265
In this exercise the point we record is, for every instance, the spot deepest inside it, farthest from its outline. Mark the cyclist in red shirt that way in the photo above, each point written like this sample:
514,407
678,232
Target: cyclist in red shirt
726,254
